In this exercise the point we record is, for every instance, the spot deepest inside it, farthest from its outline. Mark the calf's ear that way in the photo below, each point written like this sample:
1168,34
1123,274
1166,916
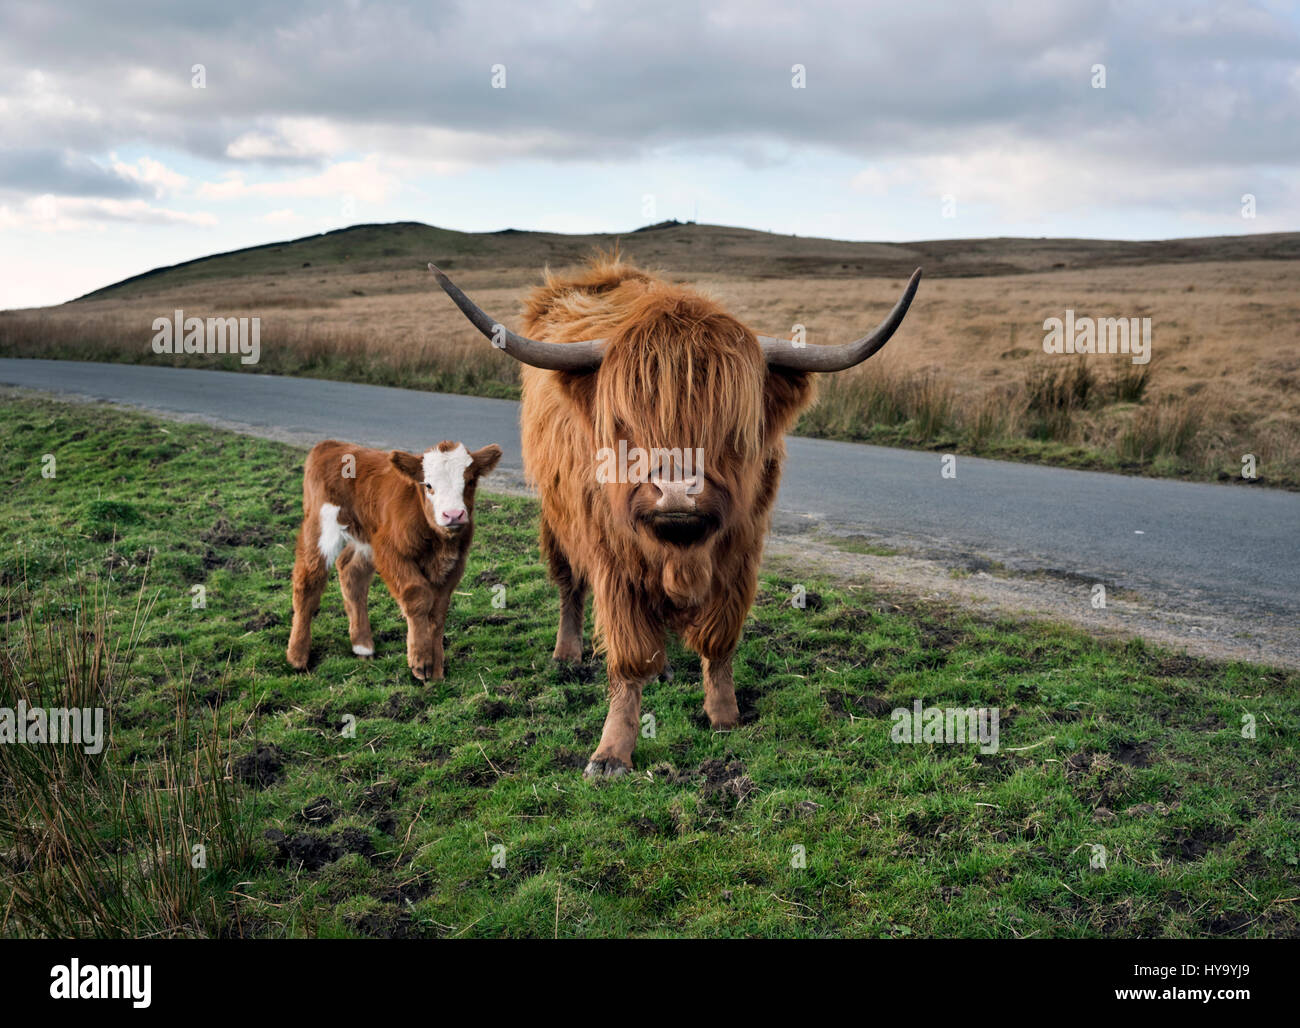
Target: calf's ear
408,464
486,459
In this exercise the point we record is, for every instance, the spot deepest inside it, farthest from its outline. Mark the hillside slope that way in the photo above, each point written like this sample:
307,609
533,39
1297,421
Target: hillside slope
690,249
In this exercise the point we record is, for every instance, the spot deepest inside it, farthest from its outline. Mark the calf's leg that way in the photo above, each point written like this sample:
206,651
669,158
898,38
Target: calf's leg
437,625
309,574
416,596
355,575
417,606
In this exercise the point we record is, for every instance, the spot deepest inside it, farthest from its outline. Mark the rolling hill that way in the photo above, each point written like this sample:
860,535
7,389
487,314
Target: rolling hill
688,248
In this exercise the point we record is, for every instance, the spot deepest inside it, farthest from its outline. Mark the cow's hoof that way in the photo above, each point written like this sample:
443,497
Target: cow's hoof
426,672
605,767
724,716
298,663
364,652
567,654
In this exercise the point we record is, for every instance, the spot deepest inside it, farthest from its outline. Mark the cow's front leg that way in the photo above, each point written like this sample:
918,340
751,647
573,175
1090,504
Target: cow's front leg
613,757
636,655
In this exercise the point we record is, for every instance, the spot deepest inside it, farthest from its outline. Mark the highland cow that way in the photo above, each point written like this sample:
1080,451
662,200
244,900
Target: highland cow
618,360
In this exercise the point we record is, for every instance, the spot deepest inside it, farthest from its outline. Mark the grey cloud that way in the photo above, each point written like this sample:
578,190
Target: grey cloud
1190,84
63,173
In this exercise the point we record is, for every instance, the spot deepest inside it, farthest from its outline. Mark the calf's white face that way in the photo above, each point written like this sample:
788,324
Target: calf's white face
447,478
444,486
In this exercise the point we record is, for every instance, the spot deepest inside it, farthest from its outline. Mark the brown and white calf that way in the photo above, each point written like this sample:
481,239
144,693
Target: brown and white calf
409,518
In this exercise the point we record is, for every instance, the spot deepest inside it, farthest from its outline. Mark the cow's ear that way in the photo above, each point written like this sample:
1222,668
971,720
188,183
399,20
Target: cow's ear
408,464
785,395
486,459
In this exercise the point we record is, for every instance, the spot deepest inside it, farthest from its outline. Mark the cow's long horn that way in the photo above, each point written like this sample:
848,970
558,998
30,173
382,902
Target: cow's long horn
783,353
575,357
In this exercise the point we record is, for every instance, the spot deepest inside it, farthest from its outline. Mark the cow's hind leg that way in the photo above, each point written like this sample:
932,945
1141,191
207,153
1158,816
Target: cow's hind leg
573,600
720,693
715,639
309,574
355,575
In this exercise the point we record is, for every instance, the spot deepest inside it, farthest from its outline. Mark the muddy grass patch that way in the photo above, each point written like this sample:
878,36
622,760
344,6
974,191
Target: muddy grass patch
387,921
261,622
310,851
1098,779
1132,754
1195,843
486,775
572,759
320,812
261,768
846,706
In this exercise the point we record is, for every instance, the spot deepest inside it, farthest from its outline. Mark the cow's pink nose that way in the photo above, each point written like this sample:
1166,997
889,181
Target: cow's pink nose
676,496
455,517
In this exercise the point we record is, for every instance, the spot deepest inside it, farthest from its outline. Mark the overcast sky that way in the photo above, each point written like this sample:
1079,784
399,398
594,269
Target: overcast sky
915,120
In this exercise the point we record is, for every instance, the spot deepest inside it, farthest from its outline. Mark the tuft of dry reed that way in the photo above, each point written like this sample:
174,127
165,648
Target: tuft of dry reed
91,847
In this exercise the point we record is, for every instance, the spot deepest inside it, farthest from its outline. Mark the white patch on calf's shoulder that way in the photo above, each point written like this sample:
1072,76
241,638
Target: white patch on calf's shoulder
335,537
445,471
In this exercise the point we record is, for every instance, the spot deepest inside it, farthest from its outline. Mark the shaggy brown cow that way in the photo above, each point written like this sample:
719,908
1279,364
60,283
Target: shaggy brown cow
409,518
622,362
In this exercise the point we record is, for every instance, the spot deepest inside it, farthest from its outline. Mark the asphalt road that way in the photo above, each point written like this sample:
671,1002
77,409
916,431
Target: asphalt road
1233,549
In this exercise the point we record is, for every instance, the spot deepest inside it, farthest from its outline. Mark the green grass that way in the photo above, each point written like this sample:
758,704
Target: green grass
858,544
393,831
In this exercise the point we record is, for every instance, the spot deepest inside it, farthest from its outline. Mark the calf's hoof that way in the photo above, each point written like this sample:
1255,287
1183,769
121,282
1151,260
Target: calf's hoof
363,651
606,767
298,661
567,653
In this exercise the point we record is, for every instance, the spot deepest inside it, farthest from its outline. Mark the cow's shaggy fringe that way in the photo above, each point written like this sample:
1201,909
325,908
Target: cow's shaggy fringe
679,371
